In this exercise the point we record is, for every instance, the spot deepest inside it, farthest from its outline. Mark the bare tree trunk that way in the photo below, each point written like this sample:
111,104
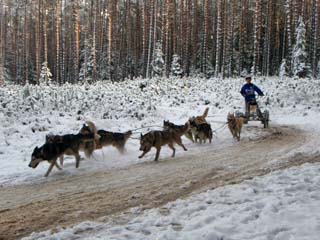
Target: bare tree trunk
167,36
144,36
174,31
110,30
152,18
182,33
26,46
205,36
2,37
257,36
77,42
315,37
37,43
58,19
218,41
230,41
46,41
288,27
94,58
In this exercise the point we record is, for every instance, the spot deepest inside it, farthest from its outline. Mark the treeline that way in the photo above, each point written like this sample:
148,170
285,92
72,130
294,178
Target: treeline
89,40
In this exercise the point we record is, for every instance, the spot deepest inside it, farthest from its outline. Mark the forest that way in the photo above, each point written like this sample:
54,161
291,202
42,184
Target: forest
73,41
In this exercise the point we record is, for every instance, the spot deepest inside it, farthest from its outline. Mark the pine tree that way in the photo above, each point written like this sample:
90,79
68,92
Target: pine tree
318,71
176,66
158,61
283,69
300,65
5,76
103,68
45,74
86,70
209,68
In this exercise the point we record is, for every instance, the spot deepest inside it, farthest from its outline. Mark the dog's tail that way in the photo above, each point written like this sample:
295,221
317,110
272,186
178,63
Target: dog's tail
205,113
120,145
127,135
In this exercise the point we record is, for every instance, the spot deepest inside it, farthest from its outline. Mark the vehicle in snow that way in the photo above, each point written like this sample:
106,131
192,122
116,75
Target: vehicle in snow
255,114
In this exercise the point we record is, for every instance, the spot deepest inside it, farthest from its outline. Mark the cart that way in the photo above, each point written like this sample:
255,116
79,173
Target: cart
255,114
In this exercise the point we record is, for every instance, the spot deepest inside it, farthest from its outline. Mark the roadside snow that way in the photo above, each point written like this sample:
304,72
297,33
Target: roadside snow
283,205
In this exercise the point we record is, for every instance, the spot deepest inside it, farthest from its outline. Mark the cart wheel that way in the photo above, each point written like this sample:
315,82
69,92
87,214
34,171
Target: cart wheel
265,119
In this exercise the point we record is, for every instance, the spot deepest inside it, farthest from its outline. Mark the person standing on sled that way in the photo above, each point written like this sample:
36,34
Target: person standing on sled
248,92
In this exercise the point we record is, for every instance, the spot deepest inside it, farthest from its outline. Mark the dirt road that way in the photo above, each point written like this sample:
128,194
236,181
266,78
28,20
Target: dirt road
69,200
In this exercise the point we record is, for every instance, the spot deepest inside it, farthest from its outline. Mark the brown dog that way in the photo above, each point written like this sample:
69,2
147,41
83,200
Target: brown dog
200,119
106,138
201,132
115,139
167,125
157,139
235,125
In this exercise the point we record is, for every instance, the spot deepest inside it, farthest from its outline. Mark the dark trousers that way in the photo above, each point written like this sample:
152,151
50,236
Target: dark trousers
247,107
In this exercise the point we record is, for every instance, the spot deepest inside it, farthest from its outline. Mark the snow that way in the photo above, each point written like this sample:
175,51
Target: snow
282,205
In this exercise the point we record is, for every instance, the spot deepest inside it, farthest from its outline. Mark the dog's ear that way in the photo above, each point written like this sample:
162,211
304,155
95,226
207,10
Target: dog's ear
141,135
35,149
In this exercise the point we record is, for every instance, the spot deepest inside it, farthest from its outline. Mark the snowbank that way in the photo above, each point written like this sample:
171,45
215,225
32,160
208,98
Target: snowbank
282,205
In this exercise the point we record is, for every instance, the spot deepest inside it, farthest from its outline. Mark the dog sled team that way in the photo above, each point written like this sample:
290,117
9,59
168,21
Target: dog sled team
89,138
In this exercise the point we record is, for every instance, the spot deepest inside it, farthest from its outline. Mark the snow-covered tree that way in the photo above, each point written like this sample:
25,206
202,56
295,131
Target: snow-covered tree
45,74
283,69
5,77
176,66
86,70
244,73
103,68
158,61
300,64
318,71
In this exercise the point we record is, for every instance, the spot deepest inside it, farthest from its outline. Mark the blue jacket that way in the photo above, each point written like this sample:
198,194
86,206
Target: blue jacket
248,91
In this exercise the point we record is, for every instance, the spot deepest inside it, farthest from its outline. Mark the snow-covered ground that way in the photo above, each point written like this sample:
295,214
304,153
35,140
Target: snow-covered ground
28,113
283,205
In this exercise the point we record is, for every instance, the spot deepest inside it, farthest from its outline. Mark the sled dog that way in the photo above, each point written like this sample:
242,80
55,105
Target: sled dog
157,139
55,147
106,138
201,132
167,125
235,125
200,119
